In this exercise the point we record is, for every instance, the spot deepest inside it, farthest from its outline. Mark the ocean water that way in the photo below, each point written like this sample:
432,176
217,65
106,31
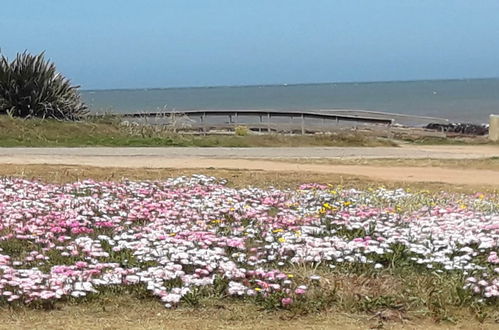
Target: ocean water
471,100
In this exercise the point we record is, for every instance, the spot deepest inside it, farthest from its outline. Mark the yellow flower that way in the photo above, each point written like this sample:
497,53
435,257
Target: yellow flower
347,203
281,240
298,233
279,230
290,276
258,289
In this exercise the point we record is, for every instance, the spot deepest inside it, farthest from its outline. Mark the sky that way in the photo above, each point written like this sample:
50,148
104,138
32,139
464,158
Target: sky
102,44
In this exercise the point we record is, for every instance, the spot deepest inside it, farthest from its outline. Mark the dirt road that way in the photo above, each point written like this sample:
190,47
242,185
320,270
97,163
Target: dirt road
240,158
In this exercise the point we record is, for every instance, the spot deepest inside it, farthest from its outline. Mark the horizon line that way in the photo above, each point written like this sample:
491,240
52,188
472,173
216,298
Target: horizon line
286,84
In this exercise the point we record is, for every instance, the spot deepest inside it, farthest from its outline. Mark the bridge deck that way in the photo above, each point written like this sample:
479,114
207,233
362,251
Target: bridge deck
268,114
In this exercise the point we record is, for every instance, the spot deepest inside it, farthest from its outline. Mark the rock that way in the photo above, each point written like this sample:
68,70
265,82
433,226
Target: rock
461,128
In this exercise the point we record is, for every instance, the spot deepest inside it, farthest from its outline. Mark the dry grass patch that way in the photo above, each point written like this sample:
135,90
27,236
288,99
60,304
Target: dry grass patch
491,163
236,178
127,312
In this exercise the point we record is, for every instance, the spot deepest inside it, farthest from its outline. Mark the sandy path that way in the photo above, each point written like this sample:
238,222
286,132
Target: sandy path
440,152
404,174
233,158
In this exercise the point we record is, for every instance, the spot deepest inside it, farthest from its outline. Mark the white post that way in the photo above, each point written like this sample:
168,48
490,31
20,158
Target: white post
494,128
302,124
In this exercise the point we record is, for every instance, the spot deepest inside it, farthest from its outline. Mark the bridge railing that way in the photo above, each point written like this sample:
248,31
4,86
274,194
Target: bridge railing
266,120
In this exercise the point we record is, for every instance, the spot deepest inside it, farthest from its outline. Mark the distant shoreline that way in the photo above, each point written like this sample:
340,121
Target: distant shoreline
288,84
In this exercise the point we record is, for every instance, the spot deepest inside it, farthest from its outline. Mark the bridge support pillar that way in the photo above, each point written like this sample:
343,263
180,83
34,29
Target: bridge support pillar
203,122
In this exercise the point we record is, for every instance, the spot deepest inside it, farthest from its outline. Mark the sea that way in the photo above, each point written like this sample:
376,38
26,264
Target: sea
464,100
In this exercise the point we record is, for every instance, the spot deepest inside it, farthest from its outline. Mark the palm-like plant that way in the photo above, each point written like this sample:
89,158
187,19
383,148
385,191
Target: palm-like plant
30,86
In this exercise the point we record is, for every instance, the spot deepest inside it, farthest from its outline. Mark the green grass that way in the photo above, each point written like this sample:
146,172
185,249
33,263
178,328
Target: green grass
107,131
51,133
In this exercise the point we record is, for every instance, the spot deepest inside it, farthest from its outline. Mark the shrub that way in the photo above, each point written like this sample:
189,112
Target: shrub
241,131
30,86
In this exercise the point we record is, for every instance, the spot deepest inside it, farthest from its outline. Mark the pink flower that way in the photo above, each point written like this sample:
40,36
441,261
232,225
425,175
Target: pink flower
300,291
81,264
286,301
493,258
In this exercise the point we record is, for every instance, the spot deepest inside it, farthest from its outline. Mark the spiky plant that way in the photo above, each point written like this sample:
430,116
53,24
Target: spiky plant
30,86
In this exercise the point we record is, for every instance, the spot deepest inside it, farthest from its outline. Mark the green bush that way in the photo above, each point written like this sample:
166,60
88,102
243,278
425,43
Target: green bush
30,86
241,131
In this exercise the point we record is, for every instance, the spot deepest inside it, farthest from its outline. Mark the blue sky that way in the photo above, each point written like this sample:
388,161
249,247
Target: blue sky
166,43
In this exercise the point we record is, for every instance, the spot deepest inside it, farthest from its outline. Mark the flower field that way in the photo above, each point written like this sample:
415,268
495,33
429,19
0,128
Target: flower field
190,238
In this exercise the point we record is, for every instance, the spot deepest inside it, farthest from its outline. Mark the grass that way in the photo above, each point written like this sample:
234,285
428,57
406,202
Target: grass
236,178
355,302
491,163
455,140
107,131
125,313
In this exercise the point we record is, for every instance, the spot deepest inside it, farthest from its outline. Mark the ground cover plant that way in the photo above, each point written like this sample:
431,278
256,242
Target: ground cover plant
189,240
